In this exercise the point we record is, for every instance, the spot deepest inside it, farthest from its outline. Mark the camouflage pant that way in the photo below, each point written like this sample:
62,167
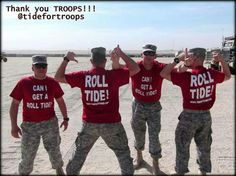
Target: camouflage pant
143,113
31,134
114,136
195,125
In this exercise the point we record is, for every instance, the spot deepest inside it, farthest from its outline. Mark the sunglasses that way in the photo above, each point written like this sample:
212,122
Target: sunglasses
149,53
38,66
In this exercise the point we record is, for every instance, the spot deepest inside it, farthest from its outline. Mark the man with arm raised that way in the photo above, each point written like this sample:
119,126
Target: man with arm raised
100,98
198,86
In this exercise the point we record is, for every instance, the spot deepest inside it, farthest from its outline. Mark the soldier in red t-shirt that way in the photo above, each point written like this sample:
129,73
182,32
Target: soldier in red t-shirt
198,86
146,107
100,97
39,119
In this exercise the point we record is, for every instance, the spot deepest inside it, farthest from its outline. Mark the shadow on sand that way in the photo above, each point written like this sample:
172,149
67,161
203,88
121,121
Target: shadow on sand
149,168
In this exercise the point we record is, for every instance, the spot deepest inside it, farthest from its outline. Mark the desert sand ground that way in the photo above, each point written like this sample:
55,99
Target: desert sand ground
101,160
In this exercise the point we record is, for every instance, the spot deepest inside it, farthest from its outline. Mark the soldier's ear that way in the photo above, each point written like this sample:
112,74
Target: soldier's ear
92,62
141,55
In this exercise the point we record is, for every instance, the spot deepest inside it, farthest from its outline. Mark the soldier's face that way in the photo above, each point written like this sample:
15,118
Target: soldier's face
40,70
148,56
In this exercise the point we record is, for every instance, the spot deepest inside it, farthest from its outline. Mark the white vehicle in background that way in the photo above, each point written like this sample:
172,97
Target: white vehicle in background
228,49
228,52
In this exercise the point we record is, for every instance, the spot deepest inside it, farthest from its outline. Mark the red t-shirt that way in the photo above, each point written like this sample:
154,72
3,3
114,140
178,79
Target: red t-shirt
100,93
146,84
38,97
198,87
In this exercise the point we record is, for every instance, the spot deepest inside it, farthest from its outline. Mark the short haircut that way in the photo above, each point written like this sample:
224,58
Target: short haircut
98,55
199,52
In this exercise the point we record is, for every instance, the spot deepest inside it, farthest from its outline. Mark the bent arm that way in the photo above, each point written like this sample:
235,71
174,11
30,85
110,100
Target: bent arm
117,65
131,64
116,61
60,73
166,72
226,70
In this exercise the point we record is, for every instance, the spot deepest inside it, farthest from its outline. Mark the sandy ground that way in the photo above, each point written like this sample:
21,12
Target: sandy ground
101,160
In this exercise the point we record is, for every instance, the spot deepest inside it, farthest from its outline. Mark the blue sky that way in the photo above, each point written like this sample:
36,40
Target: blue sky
169,25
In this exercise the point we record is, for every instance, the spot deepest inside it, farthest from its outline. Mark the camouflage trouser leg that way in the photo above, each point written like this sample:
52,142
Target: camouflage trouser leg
203,141
150,114
138,124
51,140
84,142
115,137
29,147
197,126
154,128
31,133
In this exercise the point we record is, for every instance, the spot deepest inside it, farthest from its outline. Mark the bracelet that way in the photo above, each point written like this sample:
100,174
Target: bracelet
66,119
66,59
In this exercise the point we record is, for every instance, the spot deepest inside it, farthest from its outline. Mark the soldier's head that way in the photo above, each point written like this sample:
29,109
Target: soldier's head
149,52
98,57
195,57
39,66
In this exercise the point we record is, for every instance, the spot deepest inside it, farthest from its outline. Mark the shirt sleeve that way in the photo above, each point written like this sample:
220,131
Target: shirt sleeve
17,92
177,78
121,76
75,79
218,76
58,90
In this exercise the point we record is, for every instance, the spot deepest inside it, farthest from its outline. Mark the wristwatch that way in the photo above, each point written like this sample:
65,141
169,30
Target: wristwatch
176,60
66,59
66,119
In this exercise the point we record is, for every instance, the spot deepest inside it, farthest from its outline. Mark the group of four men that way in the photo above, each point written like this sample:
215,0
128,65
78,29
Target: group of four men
101,117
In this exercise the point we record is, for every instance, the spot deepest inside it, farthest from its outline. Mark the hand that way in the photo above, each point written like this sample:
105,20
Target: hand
182,55
71,56
15,132
115,60
217,57
117,50
114,57
65,124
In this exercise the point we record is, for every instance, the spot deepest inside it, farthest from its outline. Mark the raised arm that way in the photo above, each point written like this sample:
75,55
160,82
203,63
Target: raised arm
166,72
60,73
131,64
225,68
116,61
